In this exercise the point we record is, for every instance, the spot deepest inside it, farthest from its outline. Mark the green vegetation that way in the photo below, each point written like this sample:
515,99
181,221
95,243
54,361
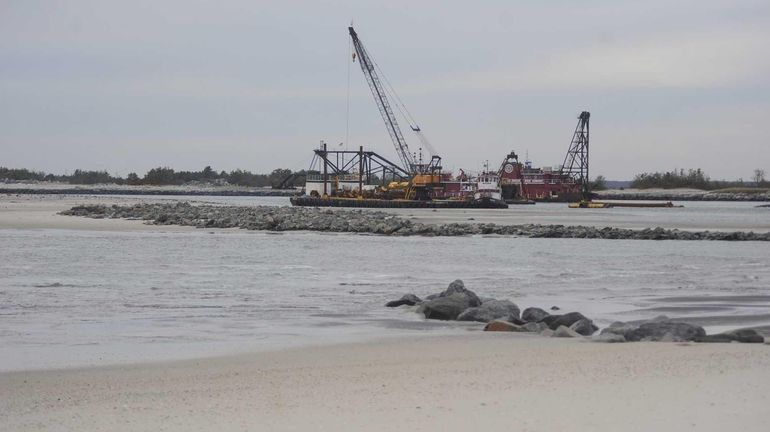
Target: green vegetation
164,176
599,183
695,179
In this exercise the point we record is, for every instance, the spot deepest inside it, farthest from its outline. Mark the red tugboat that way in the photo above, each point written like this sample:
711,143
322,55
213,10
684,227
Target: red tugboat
523,184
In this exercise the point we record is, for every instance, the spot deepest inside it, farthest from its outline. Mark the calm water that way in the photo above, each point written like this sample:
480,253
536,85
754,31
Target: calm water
71,298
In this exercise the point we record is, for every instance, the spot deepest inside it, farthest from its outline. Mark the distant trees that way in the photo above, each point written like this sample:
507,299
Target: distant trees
692,178
160,176
21,174
133,179
599,183
166,176
759,177
92,177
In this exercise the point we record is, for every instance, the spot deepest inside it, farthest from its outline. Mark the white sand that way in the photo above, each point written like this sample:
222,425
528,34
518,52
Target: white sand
483,381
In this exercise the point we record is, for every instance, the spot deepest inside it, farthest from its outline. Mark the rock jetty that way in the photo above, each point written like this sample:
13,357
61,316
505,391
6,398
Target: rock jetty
273,218
683,195
461,304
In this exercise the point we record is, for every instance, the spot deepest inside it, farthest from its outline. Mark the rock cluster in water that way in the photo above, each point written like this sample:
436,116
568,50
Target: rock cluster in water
461,304
375,222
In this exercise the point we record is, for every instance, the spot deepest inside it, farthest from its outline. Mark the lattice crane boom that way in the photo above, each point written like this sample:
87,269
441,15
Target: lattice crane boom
576,161
381,100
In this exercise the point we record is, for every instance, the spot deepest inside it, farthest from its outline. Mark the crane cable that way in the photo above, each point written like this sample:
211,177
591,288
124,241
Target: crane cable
403,110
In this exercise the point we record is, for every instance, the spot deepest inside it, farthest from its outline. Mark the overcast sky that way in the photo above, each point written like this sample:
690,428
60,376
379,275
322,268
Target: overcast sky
126,86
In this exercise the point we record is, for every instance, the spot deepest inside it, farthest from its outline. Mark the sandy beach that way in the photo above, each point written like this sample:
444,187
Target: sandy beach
477,381
40,212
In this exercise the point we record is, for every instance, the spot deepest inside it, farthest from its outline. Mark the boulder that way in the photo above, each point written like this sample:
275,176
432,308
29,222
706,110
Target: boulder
584,327
619,328
458,287
491,310
565,332
407,299
535,327
499,325
533,314
566,320
740,335
445,308
665,331
610,338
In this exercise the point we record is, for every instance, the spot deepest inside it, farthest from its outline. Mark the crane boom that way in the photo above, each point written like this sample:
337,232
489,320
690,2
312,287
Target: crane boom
380,98
576,162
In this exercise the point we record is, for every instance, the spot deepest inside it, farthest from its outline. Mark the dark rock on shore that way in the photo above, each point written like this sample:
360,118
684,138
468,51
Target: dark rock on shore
662,328
584,327
740,335
406,299
566,320
535,327
450,303
533,314
458,287
445,308
669,331
491,310
610,338
505,326
374,222
618,328
565,332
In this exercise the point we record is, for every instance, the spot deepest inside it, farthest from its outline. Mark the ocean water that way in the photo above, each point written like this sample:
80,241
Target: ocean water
79,298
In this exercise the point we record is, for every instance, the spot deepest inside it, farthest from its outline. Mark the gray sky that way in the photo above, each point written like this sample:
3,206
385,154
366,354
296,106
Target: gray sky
126,86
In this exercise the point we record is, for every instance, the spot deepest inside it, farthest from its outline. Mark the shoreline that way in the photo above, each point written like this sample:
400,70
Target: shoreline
486,381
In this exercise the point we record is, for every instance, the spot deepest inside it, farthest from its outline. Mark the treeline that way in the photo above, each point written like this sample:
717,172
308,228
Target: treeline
693,178
163,176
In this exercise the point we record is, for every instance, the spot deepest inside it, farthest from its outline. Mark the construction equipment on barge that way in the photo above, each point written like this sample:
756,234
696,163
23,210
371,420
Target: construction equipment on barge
342,178
521,183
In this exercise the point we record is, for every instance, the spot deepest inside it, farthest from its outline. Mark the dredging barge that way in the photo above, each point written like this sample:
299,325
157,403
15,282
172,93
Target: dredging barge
309,201
342,178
